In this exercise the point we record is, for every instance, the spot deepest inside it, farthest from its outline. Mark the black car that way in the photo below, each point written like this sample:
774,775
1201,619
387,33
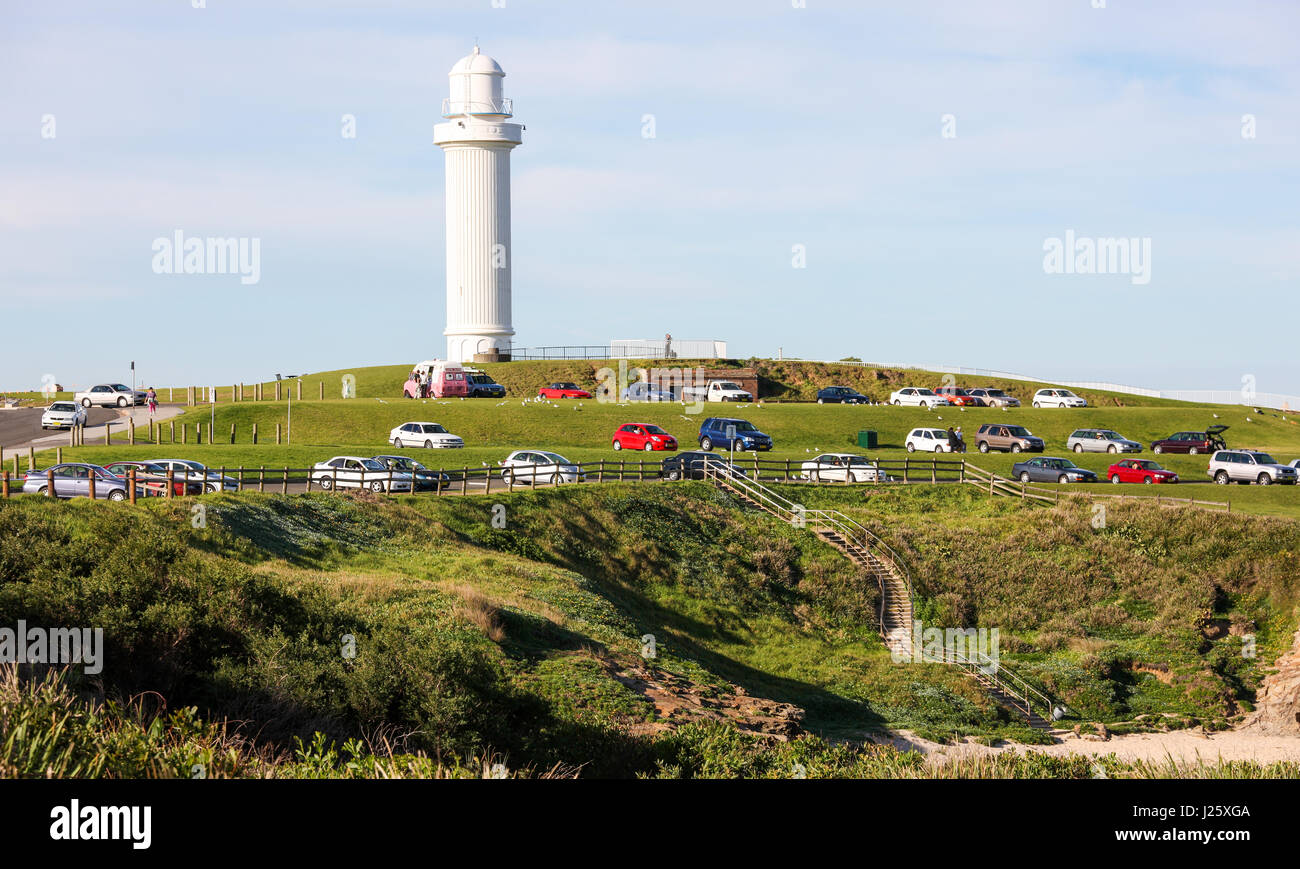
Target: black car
424,477
840,395
483,386
690,465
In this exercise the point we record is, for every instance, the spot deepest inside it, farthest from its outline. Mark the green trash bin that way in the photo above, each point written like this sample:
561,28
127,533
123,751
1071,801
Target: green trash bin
867,439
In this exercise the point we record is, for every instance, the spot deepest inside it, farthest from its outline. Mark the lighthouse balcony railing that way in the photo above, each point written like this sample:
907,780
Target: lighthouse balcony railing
452,108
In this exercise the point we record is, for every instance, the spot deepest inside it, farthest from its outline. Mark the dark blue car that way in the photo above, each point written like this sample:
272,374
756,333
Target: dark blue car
729,433
840,395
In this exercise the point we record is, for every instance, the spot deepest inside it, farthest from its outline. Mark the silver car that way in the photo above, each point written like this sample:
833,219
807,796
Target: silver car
993,397
540,466
195,472
72,480
1249,466
1101,440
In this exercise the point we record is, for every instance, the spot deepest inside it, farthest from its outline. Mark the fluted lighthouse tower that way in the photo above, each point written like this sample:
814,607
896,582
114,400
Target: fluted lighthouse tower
478,140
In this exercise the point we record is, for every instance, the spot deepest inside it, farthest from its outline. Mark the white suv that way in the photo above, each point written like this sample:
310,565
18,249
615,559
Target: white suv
1249,466
1057,398
928,440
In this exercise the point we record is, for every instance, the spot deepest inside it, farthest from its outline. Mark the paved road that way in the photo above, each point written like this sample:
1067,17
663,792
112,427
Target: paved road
21,428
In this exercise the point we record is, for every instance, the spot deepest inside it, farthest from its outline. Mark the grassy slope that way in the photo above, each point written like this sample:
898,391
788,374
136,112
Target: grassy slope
473,638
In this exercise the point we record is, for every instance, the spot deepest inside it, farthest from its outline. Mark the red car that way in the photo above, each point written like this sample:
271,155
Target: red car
958,396
563,390
1139,471
643,436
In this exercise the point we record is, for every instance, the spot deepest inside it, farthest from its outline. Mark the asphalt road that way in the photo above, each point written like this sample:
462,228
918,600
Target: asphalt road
21,427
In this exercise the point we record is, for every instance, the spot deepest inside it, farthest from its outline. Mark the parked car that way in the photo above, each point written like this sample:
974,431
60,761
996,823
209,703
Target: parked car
540,466
62,414
425,478
194,471
1057,398
1295,463
1192,442
563,390
690,464
428,435
716,390
928,440
917,396
732,434
842,467
1015,438
72,480
958,396
993,397
840,395
1101,440
642,391
482,385
643,436
1139,471
152,478
1249,466
1046,469
358,472
109,395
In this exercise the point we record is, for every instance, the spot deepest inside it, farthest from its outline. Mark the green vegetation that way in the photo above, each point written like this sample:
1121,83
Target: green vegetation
521,645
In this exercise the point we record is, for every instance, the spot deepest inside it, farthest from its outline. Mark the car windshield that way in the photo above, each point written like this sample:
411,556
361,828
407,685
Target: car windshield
194,466
566,386
727,384
1065,393
858,460
1018,431
434,428
372,465
63,406
654,429
1148,466
924,392
993,392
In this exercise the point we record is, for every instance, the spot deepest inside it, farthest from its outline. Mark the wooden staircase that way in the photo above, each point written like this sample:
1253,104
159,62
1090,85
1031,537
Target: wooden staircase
874,556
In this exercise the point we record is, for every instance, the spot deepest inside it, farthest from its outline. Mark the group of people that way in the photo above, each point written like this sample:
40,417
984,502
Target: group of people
956,444
424,382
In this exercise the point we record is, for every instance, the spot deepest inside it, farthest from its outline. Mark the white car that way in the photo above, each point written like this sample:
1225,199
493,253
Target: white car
928,440
186,469
917,396
540,466
1057,398
842,467
62,414
424,434
109,395
358,472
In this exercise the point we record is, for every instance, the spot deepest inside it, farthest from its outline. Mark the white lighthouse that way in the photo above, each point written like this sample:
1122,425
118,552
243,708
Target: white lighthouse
478,140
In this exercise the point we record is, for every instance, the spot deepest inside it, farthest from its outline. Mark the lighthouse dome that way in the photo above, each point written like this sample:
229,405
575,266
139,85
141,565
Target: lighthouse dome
476,89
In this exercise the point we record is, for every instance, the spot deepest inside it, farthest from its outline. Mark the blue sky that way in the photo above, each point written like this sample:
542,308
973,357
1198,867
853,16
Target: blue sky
775,126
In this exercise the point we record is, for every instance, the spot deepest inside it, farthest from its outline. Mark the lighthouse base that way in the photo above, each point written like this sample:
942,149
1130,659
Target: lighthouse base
468,348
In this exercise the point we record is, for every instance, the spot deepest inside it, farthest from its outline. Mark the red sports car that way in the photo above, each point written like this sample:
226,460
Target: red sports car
643,436
563,390
958,396
1139,471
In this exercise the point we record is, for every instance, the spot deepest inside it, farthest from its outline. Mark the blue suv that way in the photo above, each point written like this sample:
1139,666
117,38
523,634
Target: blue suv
714,433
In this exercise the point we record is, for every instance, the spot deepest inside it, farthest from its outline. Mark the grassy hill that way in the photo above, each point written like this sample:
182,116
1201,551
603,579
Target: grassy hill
523,644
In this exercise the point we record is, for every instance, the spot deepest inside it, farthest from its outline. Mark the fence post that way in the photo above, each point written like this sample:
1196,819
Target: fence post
300,397
277,390
284,487
108,433
254,432
277,432
464,481
600,474
198,432
31,458
58,455
49,482
171,482
91,490
261,477
130,431
232,432
934,470
130,484
4,484
640,476
437,483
